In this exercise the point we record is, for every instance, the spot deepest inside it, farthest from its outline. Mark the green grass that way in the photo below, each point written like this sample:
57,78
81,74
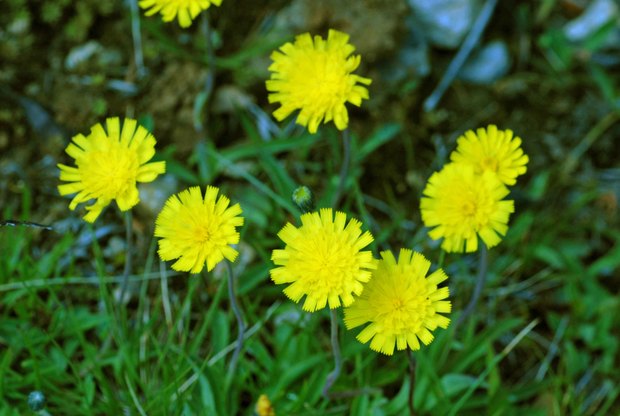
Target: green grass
542,341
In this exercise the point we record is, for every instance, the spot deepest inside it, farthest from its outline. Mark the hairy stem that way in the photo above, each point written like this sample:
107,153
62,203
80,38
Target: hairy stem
410,397
483,264
344,169
238,314
128,249
137,39
200,125
333,376
344,172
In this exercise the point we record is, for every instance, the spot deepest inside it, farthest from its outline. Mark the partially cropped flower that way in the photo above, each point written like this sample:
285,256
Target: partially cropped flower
323,260
461,205
108,165
315,77
400,304
184,10
492,150
197,230
264,407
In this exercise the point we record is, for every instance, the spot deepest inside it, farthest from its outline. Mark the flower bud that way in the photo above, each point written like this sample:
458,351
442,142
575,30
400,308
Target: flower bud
303,198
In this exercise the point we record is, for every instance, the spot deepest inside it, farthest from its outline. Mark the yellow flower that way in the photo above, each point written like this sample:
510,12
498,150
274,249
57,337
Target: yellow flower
492,150
197,231
184,10
264,407
315,77
323,260
463,205
400,303
108,165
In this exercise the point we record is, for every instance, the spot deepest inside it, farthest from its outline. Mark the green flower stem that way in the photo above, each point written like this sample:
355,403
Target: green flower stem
344,169
241,325
344,172
483,264
333,376
165,299
128,248
442,257
410,397
137,39
203,97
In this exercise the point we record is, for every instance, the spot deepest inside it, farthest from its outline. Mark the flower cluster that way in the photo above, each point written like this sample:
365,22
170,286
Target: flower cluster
324,261
195,230
465,200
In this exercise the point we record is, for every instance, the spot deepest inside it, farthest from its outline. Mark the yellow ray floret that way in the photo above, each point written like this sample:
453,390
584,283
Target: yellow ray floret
315,77
492,150
108,165
197,230
323,260
400,304
184,10
460,206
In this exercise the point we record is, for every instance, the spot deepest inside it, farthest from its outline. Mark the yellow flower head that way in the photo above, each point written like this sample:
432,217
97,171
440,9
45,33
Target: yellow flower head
401,304
197,231
323,260
108,165
492,150
463,205
184,10
263,406
315,77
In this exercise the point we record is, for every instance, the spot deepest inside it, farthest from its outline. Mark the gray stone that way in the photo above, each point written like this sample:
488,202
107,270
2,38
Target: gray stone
445,22
487,64
598,13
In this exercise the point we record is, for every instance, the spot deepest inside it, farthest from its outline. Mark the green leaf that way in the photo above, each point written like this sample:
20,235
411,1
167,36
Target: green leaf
475,347
557,48
601,36
454,384
606,265
605,84
383,135
256,148
550,256
207,398
176,168
89,389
